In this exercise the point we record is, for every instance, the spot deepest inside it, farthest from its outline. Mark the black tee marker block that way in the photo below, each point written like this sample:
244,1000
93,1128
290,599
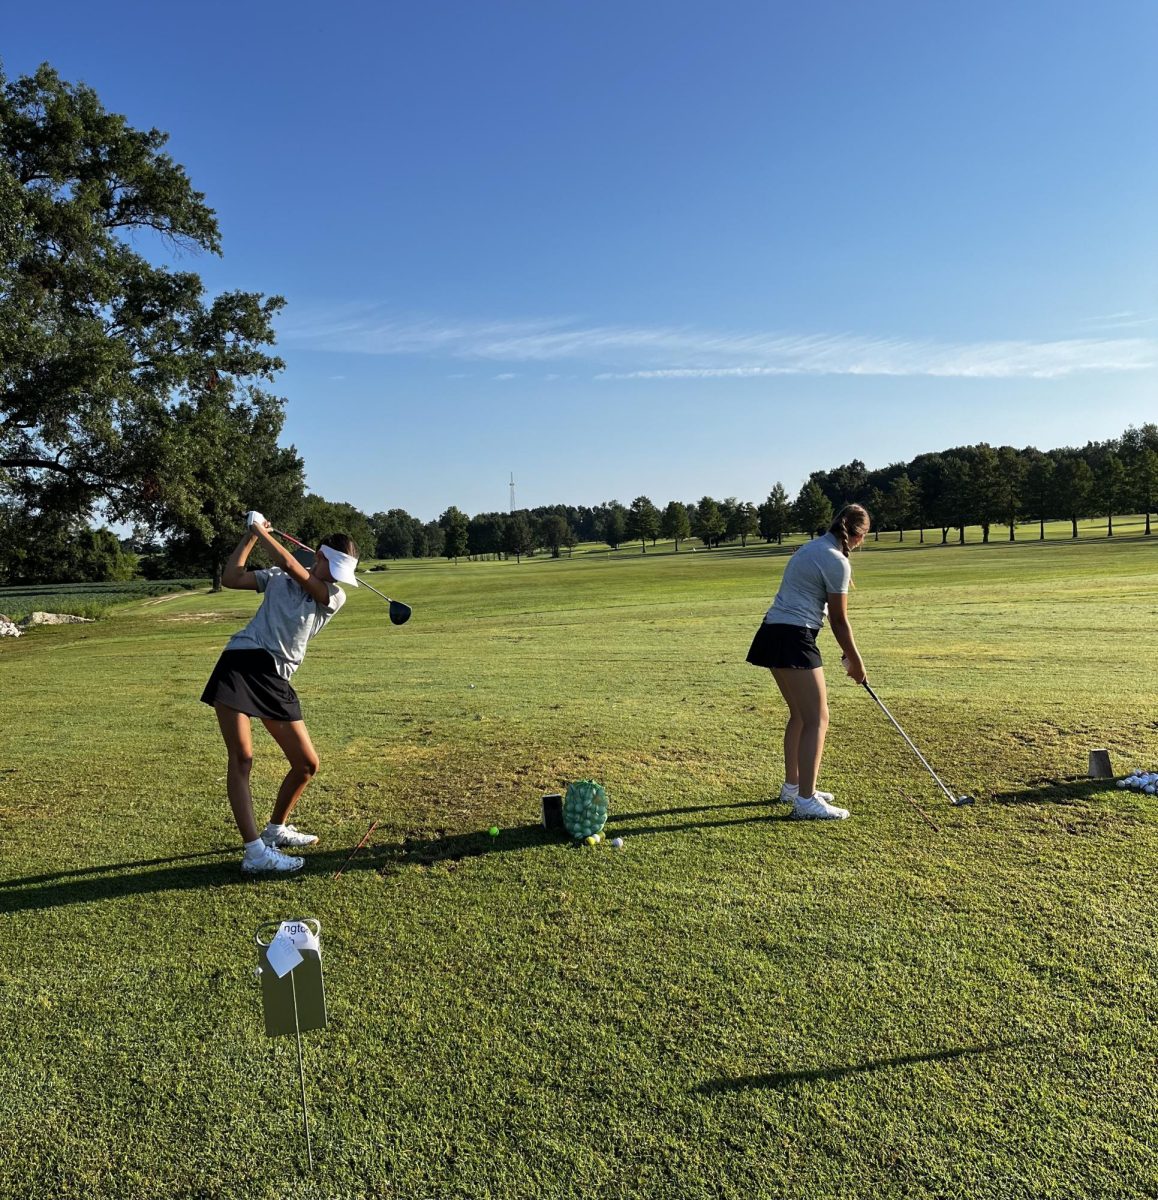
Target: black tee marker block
553,813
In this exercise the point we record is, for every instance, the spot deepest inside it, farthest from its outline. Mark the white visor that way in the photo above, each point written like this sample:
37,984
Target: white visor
341,565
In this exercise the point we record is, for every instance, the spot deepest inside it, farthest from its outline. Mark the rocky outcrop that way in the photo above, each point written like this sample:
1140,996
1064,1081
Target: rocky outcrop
8,627
43,618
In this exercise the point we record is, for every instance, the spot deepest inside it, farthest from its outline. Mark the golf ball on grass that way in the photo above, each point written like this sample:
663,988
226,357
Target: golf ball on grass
493,831
617,843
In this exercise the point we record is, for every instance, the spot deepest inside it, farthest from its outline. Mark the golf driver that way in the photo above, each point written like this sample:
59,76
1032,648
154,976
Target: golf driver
956,801
399,612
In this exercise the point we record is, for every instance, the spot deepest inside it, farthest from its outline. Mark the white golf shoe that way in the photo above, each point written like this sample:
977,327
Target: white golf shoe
270,861
788,794
818,808
286,837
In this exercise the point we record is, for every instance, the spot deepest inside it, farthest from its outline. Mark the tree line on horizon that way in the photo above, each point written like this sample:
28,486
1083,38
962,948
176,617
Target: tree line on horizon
128,395
946,491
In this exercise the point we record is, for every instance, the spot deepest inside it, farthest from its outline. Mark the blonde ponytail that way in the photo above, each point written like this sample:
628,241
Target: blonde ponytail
853,519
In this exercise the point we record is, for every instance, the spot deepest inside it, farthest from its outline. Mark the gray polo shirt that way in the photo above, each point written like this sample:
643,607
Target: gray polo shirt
817,568
288,617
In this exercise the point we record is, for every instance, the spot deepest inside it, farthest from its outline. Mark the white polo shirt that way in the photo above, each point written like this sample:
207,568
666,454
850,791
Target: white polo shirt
288,617
817,568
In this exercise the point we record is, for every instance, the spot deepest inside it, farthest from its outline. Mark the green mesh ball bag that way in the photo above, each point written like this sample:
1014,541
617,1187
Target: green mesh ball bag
584,808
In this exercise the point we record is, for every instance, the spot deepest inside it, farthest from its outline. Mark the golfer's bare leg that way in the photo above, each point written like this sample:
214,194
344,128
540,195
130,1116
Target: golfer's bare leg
235,729
294,740
807,700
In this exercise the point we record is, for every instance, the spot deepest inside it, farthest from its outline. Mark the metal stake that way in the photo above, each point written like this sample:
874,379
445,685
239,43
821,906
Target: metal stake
302,1074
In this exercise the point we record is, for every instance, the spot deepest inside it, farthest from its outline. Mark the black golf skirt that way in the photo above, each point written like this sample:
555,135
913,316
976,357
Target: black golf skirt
791,646
247,680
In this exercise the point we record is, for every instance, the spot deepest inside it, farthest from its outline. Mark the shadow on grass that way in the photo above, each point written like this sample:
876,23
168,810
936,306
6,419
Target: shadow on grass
695,808
28,880
782,1080
1072,790
93,884
453,847
113,881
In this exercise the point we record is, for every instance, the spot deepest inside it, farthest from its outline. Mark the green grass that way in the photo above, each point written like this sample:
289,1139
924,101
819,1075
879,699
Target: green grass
733,1005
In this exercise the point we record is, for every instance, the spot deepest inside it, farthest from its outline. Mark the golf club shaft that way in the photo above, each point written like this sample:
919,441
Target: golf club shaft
292,539
867,688
313,551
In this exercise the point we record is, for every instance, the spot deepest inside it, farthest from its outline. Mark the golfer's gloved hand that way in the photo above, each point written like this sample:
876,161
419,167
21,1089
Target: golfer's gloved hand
254,518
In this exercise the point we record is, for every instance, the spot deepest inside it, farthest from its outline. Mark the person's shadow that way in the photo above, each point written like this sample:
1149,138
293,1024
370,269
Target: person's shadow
787,1080
220,868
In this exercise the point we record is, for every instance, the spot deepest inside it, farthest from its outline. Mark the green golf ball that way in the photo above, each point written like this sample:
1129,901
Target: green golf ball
493,831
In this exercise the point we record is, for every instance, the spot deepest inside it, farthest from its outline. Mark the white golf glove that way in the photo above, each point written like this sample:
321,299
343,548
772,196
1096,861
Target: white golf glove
252,518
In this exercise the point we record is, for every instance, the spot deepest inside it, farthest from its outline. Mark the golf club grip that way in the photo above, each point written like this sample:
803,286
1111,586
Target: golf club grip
896,725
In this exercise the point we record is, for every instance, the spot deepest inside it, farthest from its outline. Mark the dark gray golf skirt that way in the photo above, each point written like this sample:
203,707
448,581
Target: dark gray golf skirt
247,681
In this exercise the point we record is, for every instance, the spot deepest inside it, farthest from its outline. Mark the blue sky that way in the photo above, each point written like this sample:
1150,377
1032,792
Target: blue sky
670,249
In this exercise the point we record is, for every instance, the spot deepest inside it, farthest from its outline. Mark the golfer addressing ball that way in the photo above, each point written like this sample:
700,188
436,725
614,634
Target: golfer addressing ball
252,679
815,584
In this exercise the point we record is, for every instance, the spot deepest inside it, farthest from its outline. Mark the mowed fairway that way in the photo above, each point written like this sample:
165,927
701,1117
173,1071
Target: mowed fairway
733,1005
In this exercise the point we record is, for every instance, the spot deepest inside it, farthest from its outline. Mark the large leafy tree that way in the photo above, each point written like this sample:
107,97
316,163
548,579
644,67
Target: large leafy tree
986,500
484,534
674,523
643,521
1110,487
742,522
394,533
208,458
518,536
553,530
813,509
709,523
775,515
1075,486
1039,487
1011,475
114,369
613,524
455,527
901,502
1139,452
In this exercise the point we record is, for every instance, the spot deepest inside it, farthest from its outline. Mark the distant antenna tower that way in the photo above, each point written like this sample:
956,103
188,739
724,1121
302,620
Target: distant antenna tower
512,491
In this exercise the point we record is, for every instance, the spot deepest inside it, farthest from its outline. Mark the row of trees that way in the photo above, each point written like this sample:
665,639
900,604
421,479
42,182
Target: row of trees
949,490
987,486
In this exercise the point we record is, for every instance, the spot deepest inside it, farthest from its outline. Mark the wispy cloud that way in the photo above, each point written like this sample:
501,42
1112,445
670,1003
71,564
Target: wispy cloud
1119,320
506,375
626,352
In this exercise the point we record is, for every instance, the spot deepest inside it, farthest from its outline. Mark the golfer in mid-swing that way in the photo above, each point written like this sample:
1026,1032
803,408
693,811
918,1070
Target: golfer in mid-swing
252,679
815,583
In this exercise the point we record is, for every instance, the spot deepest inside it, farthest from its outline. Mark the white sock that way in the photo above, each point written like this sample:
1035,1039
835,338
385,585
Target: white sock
275,829
254,848
791,788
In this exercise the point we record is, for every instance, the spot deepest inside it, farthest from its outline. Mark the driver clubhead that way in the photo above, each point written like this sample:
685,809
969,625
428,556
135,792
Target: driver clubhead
962,800
399,612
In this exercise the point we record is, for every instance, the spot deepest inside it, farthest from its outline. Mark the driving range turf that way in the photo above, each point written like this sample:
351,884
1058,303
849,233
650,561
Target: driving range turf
735,1004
